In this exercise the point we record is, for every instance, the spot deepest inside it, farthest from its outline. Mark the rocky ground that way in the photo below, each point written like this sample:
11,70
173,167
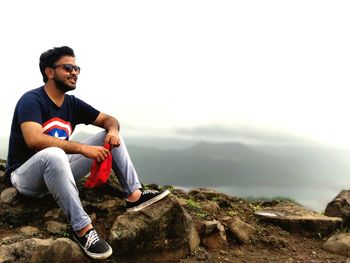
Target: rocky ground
261,241
269,243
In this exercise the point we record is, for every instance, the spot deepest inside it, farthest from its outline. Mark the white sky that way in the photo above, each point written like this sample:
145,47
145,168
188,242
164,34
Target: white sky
276,65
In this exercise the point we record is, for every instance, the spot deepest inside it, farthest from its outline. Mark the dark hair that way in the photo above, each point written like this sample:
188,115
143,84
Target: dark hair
51,56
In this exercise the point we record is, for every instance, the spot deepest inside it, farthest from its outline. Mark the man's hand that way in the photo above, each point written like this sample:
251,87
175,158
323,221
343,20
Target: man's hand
113,138
111,125
98,153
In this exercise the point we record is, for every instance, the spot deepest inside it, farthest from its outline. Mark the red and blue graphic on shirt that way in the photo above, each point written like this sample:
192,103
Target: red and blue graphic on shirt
58,128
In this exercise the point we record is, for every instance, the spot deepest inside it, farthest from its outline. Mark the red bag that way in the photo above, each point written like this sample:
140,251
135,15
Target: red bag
100,171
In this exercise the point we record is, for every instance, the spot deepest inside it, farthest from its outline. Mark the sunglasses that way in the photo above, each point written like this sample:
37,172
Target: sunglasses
69,68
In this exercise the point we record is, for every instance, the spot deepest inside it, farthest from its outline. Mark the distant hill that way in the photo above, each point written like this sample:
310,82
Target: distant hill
222,164
309,174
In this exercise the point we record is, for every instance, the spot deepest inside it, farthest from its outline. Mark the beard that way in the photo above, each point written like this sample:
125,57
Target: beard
61,85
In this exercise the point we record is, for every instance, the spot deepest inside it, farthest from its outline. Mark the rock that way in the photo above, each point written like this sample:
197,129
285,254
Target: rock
29,230
55,227
43,251
202,255
93,217
8,196
215,238
180,193
340,207
338,244
210,207
182,201
240,231
210,227
10,239
297,219
2,176
54,213
158,233
208,194
106,205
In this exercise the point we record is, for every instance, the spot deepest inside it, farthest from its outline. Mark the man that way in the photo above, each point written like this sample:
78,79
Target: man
42,160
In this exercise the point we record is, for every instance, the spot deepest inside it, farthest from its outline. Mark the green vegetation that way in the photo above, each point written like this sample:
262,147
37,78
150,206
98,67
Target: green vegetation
232,213
192,204
255,207
202,215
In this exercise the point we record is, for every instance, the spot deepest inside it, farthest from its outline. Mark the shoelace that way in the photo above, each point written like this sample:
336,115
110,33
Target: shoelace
92,238
150,192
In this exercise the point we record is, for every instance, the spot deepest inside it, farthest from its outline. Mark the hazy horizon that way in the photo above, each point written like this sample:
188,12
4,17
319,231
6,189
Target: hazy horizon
307,172
188,136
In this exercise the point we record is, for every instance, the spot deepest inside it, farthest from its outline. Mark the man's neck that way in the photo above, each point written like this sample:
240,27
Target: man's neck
56,95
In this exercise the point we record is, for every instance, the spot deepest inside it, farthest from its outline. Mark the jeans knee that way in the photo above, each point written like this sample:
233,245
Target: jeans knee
54,155
54,152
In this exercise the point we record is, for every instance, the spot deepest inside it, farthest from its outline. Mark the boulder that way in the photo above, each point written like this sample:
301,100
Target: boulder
338,244
340,207
214,235
239,230
159,233
295,218
42,251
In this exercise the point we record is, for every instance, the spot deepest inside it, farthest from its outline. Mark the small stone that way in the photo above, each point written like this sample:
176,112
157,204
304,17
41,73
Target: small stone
106,205
54,213
210,226
223,253
29,230
93,217
56,227
8,195
238,253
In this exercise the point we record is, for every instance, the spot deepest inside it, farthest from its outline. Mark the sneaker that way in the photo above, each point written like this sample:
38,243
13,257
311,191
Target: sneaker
93,246
147,198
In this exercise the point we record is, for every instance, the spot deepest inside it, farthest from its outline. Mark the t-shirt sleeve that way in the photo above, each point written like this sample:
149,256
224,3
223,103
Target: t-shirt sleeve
85,112
29,109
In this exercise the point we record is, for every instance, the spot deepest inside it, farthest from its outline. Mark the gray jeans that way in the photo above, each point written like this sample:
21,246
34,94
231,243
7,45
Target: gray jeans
52,170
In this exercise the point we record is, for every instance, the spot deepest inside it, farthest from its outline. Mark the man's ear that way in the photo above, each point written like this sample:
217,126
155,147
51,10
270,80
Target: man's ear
49,72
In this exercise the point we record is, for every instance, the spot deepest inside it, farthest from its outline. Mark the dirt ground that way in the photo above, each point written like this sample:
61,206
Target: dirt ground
269,244
293,248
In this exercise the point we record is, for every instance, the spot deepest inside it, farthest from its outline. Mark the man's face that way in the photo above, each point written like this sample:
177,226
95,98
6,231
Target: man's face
65,76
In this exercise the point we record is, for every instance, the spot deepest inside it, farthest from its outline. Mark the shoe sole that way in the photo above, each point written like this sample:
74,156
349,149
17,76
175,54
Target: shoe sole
149,202
94,255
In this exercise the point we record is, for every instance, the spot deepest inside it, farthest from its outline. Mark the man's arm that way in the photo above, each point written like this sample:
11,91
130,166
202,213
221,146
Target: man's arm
37,140
111,125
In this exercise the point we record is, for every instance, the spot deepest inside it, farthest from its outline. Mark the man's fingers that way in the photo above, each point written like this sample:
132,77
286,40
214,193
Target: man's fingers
116,142
113,140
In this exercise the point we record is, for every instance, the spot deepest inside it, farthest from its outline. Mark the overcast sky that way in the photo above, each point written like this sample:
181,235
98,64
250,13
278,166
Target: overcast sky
280,66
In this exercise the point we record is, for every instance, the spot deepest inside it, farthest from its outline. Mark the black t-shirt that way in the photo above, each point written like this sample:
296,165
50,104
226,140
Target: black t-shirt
35,105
